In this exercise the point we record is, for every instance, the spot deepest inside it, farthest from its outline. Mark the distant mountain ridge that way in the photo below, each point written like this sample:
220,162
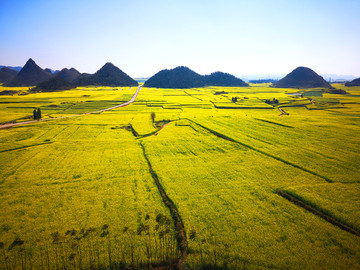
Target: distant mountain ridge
302,77
245,77
179,77
48,70
337,77
328,77
108,75
223,79
355,82
68,74
263,81
18,68
52,71
7,75
31,74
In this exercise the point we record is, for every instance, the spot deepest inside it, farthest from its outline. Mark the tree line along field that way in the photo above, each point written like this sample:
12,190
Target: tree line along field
80,192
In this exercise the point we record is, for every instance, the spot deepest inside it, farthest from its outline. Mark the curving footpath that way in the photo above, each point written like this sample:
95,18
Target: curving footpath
75,115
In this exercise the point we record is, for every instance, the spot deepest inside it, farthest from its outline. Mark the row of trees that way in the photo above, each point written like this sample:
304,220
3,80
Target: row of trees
37,113
150,244
271,101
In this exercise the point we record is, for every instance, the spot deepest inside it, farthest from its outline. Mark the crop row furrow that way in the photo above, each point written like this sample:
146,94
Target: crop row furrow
220,135
178,223
23,147
318,212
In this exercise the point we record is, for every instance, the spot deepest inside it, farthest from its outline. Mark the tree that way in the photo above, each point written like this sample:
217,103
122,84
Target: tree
273,101
38,113
153,116
35,114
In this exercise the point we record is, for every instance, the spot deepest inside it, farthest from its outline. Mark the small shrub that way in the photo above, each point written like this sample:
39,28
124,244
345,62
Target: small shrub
153,115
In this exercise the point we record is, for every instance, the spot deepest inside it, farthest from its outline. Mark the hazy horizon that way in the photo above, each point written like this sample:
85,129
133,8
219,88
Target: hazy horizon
143,37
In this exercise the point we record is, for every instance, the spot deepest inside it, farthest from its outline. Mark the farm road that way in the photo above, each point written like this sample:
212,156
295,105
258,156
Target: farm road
123,104
75,115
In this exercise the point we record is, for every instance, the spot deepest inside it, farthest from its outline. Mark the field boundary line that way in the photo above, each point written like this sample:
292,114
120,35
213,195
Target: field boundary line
220,135
24,147
318,212
178,223
192,96
154,133
274,123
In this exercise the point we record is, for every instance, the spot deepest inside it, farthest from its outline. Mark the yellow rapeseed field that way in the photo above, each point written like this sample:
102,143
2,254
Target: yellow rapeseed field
81,192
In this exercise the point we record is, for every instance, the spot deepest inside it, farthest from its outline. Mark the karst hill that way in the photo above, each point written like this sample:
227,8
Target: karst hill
183,77
179,77
302,77
355,82
68,74
223,79
7,75
31,74
108,75
53,84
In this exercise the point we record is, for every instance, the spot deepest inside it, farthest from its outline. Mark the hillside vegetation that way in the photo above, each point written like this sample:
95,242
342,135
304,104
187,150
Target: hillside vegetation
179,77
108,75
68,74
183,77
54,84
355,82
31,74
7,75
302,77
223,79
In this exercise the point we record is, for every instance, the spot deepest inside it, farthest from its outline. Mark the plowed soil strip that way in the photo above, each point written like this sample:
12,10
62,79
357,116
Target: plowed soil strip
179,226
317,212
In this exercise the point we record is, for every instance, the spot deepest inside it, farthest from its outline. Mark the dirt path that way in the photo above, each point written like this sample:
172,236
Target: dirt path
153,133
282,112
75,115
121,105
163,126
179,226
317,212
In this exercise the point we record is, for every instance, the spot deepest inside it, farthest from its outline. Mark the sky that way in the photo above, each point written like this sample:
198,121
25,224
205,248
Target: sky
142,37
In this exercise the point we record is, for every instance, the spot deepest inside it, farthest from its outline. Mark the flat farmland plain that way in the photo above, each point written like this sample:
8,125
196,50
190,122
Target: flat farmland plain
82,192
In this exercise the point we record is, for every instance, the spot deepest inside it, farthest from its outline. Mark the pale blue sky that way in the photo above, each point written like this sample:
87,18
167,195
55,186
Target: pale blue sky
142,37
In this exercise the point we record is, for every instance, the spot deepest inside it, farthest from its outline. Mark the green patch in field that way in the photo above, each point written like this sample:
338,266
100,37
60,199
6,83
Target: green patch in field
313,93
